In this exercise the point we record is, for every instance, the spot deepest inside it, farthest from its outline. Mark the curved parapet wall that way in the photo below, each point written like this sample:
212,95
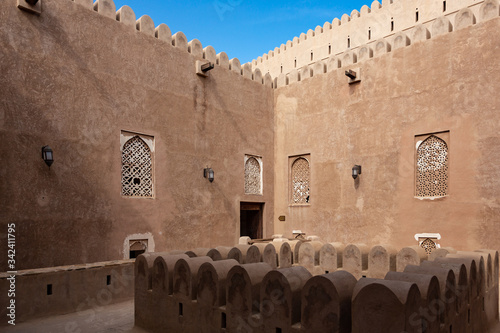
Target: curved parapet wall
210,296
357,37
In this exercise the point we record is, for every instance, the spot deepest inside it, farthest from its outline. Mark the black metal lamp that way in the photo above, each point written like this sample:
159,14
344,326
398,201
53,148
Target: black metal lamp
351,74
356,170
207,67
208,173
48,155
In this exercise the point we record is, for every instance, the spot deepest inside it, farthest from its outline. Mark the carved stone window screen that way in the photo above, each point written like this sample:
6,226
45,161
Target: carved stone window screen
428,245
428,241
300,181
253,175
137,169
432,168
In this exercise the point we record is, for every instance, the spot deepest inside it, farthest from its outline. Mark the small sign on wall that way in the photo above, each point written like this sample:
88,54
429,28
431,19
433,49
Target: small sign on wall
282,218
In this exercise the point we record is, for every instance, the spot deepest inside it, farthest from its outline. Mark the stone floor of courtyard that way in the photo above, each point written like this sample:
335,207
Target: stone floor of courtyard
114,318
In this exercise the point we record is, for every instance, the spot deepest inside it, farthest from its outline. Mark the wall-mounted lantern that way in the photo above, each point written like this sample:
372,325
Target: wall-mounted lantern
353,75
203,67
208,173
356,170
48,155
350,74
30,6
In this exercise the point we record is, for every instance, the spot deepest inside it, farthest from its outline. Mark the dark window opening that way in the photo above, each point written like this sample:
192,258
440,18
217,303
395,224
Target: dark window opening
137,247
348,42
329,49
49,289
108,280
312,56
278,330
424,326
281,69
181,310
223,320
392,25
135,254
295,64
416,16
369,34
444,6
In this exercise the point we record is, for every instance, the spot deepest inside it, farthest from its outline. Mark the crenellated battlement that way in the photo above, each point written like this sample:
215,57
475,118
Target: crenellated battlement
353,38
370,32
162,32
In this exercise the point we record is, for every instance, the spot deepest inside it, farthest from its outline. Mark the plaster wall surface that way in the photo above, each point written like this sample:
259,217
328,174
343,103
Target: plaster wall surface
447,83
75,79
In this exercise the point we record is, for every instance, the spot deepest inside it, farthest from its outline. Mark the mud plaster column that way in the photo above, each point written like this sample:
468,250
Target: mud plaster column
462,291
355,259
428,286
330,257
326,303
185,286
381,306
494,290
284,254
143,301
448,291
268,254
280,298
250,254
481,320
243,296
212,295
164,308
381,259
412,255
224,251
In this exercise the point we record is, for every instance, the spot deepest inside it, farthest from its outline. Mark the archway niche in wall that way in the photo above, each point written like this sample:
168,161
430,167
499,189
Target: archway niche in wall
300,179
137,247
136,244
428,241
253,175
137,165
431,169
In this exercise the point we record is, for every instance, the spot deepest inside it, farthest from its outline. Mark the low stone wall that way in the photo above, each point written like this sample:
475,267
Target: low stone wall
369,290
65,289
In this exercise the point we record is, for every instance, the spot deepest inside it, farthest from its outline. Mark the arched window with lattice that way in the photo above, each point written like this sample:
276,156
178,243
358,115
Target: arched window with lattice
432,168
300,181
253,175
137,168
428,241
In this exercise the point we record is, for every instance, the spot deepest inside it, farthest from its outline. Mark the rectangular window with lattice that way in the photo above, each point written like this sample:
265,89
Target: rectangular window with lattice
137,165
431,165
300,179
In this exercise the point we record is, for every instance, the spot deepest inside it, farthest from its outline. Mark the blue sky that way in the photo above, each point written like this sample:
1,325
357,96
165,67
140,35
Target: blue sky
242,28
